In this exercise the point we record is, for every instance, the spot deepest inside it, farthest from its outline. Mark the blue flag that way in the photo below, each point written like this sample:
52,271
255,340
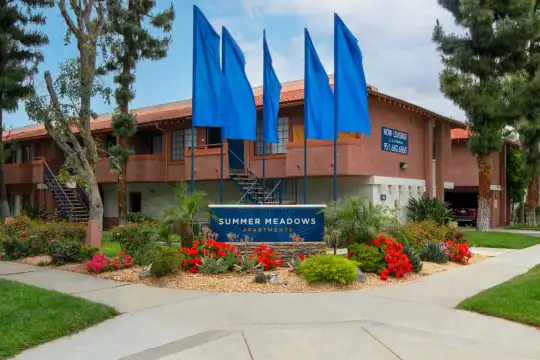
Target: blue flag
271,94
350,88
209,87
242,109
318,96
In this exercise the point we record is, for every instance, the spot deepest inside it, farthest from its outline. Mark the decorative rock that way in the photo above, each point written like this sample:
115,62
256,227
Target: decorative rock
145,272
261,277
360,277
287,251
274,279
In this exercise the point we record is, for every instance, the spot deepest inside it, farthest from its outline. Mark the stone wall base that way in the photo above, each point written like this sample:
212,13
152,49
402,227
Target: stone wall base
286,251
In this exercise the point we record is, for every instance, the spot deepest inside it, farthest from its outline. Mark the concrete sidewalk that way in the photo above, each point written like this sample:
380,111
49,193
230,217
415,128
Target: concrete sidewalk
413,320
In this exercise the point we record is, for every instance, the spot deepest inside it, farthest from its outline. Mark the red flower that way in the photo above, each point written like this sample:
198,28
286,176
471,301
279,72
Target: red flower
376,242
221,253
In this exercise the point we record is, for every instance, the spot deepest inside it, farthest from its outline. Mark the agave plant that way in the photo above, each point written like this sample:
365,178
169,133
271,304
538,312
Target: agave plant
414,258
429,208
434,252
247,264
212,265
356,219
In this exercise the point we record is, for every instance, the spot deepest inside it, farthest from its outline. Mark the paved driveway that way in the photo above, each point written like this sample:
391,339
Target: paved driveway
414,320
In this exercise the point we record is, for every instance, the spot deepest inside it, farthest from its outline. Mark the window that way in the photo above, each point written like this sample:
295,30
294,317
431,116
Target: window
11,203
283,135
286,189
25,202
135,202
27,154
180,141
157,145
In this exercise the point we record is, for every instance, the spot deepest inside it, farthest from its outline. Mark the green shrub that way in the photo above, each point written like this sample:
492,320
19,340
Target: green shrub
414,258
133,237
434,252
429,208
36,213
20,224
138,218
66,251
328,268
429,231
367,258
165,260
401,233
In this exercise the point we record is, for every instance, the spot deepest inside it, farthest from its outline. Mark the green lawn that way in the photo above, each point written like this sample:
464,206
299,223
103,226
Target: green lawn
523,227
500,240
516,299
30,316
110,249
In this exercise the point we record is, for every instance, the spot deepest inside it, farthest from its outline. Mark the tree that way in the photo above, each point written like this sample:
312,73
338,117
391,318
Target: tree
133,44
515,177
19,57
477,65
66,110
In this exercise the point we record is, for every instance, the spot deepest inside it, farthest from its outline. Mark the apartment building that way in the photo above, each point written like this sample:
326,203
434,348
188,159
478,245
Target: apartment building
462,174
405,156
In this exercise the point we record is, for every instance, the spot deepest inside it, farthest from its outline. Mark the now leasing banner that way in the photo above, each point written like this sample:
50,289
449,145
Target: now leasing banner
268,223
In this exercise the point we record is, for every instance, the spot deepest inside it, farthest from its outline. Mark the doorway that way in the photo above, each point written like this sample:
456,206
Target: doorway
135,202
236,154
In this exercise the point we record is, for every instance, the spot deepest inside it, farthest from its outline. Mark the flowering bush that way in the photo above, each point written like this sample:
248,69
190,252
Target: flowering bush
268,257
133,236
165,260
211,248
397,263
65,251
458,252
101,263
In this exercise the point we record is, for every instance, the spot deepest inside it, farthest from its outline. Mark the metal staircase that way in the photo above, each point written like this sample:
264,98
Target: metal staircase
252,187
71,203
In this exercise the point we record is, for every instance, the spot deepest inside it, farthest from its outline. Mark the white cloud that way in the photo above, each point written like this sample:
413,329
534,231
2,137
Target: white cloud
395,37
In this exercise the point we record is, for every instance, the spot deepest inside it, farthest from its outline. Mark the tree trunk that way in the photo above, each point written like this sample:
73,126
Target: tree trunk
483,222
122,187
95,202
4,206
532,200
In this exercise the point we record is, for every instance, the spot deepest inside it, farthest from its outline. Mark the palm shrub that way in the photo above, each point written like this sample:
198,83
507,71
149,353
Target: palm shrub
429,208
180,216
357,220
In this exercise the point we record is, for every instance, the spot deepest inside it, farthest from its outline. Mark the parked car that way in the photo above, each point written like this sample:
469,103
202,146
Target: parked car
466,216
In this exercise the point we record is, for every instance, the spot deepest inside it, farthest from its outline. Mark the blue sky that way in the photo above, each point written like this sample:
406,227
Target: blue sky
399,57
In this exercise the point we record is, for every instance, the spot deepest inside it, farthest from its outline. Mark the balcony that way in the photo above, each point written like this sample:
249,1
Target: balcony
207,162
140,168
24,173
320,158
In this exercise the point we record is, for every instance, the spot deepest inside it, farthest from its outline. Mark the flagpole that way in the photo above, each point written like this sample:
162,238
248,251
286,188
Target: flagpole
193,85
336,67
305,123
221,172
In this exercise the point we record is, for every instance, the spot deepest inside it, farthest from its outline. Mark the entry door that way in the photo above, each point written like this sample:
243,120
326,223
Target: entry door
236,147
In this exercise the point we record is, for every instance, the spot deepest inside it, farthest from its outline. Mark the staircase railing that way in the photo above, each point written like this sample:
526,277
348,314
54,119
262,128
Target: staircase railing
51,177
256,182
274,189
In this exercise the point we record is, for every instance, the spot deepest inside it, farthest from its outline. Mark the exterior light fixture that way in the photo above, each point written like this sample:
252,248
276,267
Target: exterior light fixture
403,165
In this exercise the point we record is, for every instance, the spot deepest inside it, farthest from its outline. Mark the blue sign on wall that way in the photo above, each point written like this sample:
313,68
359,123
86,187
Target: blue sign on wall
268,223
395,141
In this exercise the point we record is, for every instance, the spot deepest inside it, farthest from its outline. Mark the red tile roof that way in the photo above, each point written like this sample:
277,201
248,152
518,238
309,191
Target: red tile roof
291,92
459,134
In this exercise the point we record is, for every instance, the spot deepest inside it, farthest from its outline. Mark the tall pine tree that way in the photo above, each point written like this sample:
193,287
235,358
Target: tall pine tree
19,56
477,64
128,22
